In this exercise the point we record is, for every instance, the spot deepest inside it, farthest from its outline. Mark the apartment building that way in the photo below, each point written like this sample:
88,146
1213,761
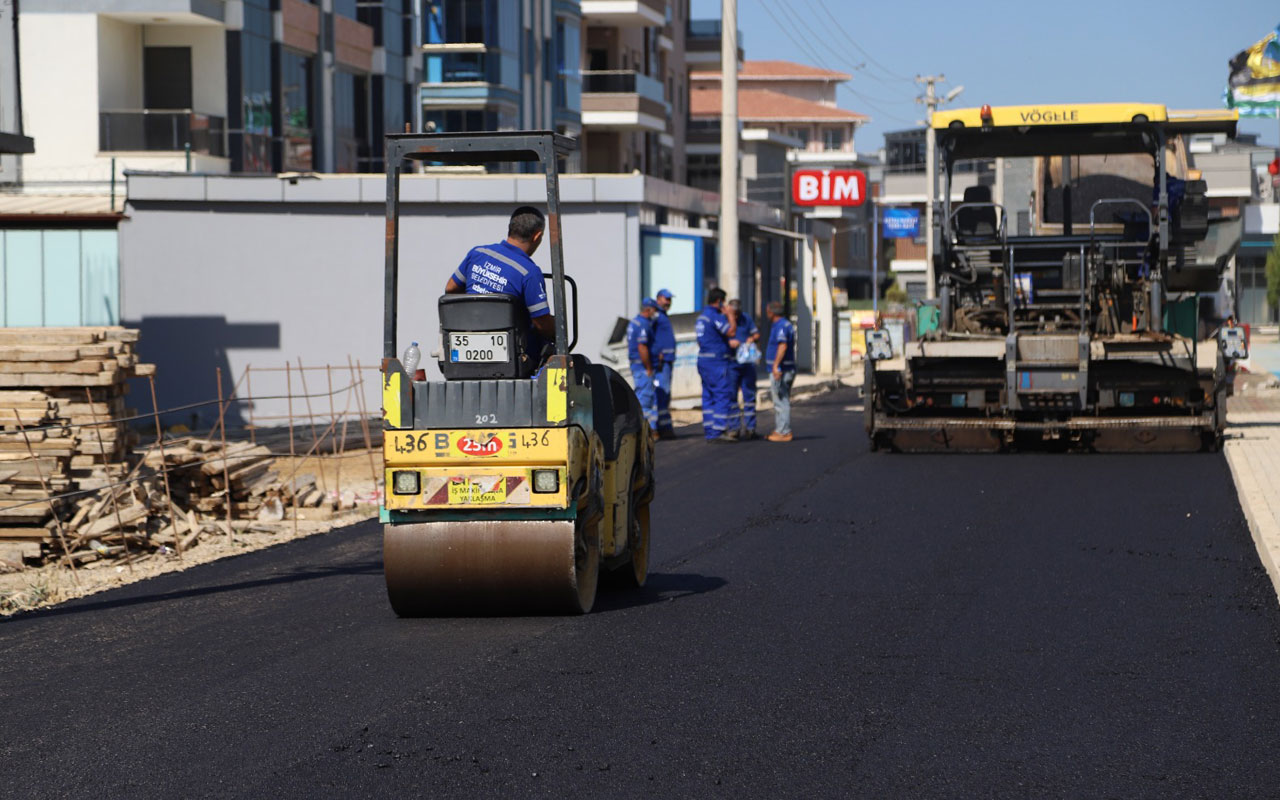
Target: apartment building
256,86
610,73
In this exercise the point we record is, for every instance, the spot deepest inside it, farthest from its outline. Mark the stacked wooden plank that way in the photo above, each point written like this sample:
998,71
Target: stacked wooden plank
62,401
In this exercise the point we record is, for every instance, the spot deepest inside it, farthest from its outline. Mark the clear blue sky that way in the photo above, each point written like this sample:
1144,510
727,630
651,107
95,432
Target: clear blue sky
1006,53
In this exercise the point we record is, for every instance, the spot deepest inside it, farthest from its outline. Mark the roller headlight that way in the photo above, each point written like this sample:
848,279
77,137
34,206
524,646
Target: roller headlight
546,481
404,481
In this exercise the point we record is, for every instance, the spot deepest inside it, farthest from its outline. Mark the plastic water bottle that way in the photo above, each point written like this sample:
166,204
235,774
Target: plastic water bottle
412,355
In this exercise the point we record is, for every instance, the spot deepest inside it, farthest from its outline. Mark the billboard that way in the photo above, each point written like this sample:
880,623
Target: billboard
828,187
901,223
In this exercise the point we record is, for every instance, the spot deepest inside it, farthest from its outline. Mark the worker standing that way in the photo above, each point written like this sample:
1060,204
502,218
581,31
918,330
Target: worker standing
743,375
716,344
640,354
664,347
780,357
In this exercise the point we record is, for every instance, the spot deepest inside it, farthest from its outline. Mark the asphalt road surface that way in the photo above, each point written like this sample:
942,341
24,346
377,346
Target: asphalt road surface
822,621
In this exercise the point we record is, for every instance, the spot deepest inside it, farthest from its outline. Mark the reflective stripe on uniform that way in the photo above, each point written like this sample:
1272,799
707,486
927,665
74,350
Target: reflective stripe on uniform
516,265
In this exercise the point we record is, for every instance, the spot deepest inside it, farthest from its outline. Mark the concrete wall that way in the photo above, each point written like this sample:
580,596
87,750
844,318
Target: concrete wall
119,66
61,114
231,284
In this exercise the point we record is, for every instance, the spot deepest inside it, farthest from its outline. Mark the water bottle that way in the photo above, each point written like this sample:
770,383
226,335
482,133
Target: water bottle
412,355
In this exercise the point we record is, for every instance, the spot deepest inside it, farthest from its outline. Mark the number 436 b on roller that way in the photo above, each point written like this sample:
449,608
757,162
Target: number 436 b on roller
469,443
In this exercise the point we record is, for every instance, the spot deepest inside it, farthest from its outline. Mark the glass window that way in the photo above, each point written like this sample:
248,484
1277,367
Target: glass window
464,21
350,120
296,93
833,138
800,133
568,87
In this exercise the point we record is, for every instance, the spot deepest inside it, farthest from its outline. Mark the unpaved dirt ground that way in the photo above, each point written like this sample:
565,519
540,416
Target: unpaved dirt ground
349,477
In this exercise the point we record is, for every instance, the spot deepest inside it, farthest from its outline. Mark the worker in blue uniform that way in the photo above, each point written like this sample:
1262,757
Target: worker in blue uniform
780,356
716,345
742,422
664,348
640,354
507,267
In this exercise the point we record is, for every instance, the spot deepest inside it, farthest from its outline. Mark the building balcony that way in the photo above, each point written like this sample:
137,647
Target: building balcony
625,13
156,131
623,100
702,44
466,76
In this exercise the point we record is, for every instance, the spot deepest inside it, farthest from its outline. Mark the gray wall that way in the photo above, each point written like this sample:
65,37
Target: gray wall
231,284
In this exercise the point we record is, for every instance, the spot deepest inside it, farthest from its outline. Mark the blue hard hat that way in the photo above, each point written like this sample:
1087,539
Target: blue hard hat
665,293
649,302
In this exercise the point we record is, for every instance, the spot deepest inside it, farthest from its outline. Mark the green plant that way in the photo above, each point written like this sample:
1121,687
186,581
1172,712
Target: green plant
896,294
1273,273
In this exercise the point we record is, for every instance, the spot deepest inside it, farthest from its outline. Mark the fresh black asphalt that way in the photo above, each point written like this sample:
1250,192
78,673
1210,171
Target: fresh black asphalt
821,621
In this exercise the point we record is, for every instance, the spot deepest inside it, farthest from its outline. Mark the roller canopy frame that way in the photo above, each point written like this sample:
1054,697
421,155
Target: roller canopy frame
545,147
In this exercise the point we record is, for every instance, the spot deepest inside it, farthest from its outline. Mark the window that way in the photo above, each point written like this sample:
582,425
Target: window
464,21
295,110
800,133
350,120
833,138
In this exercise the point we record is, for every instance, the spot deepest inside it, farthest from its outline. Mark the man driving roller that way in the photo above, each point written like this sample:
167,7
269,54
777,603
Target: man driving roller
507,268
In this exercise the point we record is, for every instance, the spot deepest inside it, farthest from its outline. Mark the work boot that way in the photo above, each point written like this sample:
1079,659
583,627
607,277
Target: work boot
733,435
748,436
779,437
723,438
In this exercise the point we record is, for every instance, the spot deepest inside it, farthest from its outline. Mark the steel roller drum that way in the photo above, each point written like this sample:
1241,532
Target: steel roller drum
458,568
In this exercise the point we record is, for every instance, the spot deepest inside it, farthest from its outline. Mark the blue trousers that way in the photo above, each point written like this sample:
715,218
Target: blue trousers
662,394
644,393
744,380
717,395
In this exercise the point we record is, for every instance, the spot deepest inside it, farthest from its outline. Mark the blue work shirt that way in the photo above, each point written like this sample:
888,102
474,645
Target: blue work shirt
782,332
664,338
745,328
503,268
712,329
639,332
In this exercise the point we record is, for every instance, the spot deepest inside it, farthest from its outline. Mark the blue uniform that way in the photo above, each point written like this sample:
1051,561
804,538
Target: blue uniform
503,268
744,380
664,348
714,360
640,332
782,332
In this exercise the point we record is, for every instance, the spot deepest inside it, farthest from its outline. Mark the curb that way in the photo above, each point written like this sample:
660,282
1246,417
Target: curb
1267,543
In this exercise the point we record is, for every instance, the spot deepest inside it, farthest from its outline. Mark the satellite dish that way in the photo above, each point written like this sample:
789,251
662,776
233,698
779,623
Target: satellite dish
953,94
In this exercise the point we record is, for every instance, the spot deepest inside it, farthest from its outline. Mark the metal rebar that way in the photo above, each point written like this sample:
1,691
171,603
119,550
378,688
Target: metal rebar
311,420
164,468
248,387
226,472
293,490
364,419
44,487
115,503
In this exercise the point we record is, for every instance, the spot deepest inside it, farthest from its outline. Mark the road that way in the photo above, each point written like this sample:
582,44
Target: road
822,621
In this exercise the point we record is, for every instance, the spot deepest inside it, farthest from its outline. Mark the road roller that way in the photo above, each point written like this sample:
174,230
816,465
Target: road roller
523,479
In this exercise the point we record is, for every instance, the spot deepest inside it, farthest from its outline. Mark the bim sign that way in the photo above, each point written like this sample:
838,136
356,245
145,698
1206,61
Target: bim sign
828,187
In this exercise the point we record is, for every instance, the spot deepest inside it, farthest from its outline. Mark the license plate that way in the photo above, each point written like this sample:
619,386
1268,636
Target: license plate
479,348
477,491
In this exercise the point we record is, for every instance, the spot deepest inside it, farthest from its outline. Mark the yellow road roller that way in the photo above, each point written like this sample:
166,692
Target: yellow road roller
520,480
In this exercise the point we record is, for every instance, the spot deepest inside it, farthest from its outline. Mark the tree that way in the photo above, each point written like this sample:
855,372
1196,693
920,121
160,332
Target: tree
1273,274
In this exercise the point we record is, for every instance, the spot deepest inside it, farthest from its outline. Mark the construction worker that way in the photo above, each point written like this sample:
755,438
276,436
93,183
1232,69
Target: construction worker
664,347
716,345
640,354
780,357
743,376
507,268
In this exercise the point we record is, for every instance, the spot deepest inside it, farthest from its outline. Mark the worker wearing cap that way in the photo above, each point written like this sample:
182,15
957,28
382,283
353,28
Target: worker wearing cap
716,344
640,354
664,349
743,376
780,358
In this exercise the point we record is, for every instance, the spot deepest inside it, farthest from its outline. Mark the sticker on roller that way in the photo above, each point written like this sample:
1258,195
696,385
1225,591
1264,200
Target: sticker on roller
480,448
477,491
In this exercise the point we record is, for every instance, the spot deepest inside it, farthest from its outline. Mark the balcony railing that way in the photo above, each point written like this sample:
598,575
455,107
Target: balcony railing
468,67
707,29
148,130
622,82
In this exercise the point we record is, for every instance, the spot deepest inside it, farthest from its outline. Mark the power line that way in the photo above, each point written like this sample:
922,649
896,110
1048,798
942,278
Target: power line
809,53
819,35
859,47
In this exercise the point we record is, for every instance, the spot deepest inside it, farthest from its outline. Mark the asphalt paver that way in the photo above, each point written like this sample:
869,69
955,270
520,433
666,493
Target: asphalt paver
820,620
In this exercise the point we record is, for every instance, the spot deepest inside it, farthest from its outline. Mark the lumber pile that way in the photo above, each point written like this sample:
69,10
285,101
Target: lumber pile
55,384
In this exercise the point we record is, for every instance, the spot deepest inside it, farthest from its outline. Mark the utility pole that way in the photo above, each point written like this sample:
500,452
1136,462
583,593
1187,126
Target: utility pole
728,271
930,101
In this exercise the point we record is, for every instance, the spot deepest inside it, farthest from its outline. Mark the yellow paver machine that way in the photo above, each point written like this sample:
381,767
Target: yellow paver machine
1089,337
513,481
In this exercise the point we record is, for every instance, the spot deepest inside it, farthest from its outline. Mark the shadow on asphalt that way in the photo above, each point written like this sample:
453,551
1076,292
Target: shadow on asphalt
88,604
660,587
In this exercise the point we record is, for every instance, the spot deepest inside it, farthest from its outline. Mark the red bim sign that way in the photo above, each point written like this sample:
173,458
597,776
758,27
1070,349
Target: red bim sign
828,187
